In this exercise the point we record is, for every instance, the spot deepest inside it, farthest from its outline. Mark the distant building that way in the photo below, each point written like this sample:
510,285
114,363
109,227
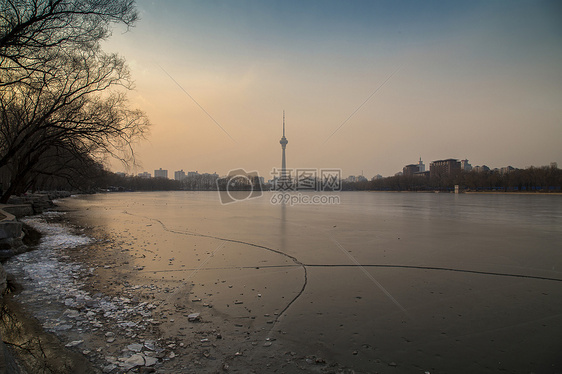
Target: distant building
211,176
506,169
410,170
144,174
179,175
160,173
481,169
376,177
422,174
465,166
351,179
421,166
440,168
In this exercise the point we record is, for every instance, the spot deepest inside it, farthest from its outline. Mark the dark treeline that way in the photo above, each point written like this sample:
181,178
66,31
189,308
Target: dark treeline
92,177
114,182
541,179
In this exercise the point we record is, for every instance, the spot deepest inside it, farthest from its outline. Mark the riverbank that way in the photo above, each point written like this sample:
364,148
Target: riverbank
26,347
96,308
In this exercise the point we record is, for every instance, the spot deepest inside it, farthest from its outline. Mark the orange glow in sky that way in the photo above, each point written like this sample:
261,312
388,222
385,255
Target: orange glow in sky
476,80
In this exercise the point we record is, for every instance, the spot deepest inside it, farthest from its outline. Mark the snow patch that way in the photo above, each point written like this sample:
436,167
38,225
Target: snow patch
55,235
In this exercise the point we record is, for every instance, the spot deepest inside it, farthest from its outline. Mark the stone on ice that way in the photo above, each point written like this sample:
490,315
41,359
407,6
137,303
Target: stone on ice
150,361
135,347
74,343
135,360
193,317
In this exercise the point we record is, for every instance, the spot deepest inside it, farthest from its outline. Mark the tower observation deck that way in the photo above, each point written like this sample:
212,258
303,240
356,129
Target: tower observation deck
283,143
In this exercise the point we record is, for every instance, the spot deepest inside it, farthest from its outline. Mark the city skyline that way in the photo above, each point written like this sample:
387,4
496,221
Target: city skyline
367,86
275,172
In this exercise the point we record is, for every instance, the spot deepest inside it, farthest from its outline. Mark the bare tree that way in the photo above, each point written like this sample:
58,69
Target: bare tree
62,97
34,32
76,109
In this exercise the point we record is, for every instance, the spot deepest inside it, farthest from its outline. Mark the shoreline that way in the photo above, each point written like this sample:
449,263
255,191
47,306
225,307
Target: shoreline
214,343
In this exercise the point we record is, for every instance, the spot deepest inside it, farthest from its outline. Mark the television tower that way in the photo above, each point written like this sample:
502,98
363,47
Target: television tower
283,143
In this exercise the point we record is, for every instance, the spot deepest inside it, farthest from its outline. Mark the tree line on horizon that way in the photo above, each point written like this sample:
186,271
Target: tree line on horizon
532,179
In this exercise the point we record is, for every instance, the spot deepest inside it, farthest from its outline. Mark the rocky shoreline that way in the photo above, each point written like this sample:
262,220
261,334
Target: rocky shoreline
13,233
15,239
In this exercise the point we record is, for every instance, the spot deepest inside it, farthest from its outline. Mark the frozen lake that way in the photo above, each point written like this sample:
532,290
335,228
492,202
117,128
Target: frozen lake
400,282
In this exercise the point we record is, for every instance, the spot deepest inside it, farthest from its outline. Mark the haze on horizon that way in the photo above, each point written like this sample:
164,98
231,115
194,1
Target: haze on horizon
475,79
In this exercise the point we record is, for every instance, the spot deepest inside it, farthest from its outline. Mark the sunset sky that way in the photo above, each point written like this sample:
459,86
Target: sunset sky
480,80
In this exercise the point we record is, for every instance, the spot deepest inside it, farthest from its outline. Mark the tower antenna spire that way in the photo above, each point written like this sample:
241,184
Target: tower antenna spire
283,122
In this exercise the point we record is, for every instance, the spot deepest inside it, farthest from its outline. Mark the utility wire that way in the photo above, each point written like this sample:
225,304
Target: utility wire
195,101
364,102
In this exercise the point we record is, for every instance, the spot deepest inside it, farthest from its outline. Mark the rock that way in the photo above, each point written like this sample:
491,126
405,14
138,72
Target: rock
74,343
71,313
135,360
135,347
150,361
109,368
10,229
193,317
18,210
64,327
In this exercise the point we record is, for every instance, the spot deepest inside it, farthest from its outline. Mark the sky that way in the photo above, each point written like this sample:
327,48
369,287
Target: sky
366,86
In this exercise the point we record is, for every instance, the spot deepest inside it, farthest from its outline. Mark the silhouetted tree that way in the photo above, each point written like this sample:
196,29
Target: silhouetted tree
34,33
61,95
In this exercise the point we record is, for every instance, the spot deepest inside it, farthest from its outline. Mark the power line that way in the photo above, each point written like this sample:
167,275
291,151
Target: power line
195,101
364,102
